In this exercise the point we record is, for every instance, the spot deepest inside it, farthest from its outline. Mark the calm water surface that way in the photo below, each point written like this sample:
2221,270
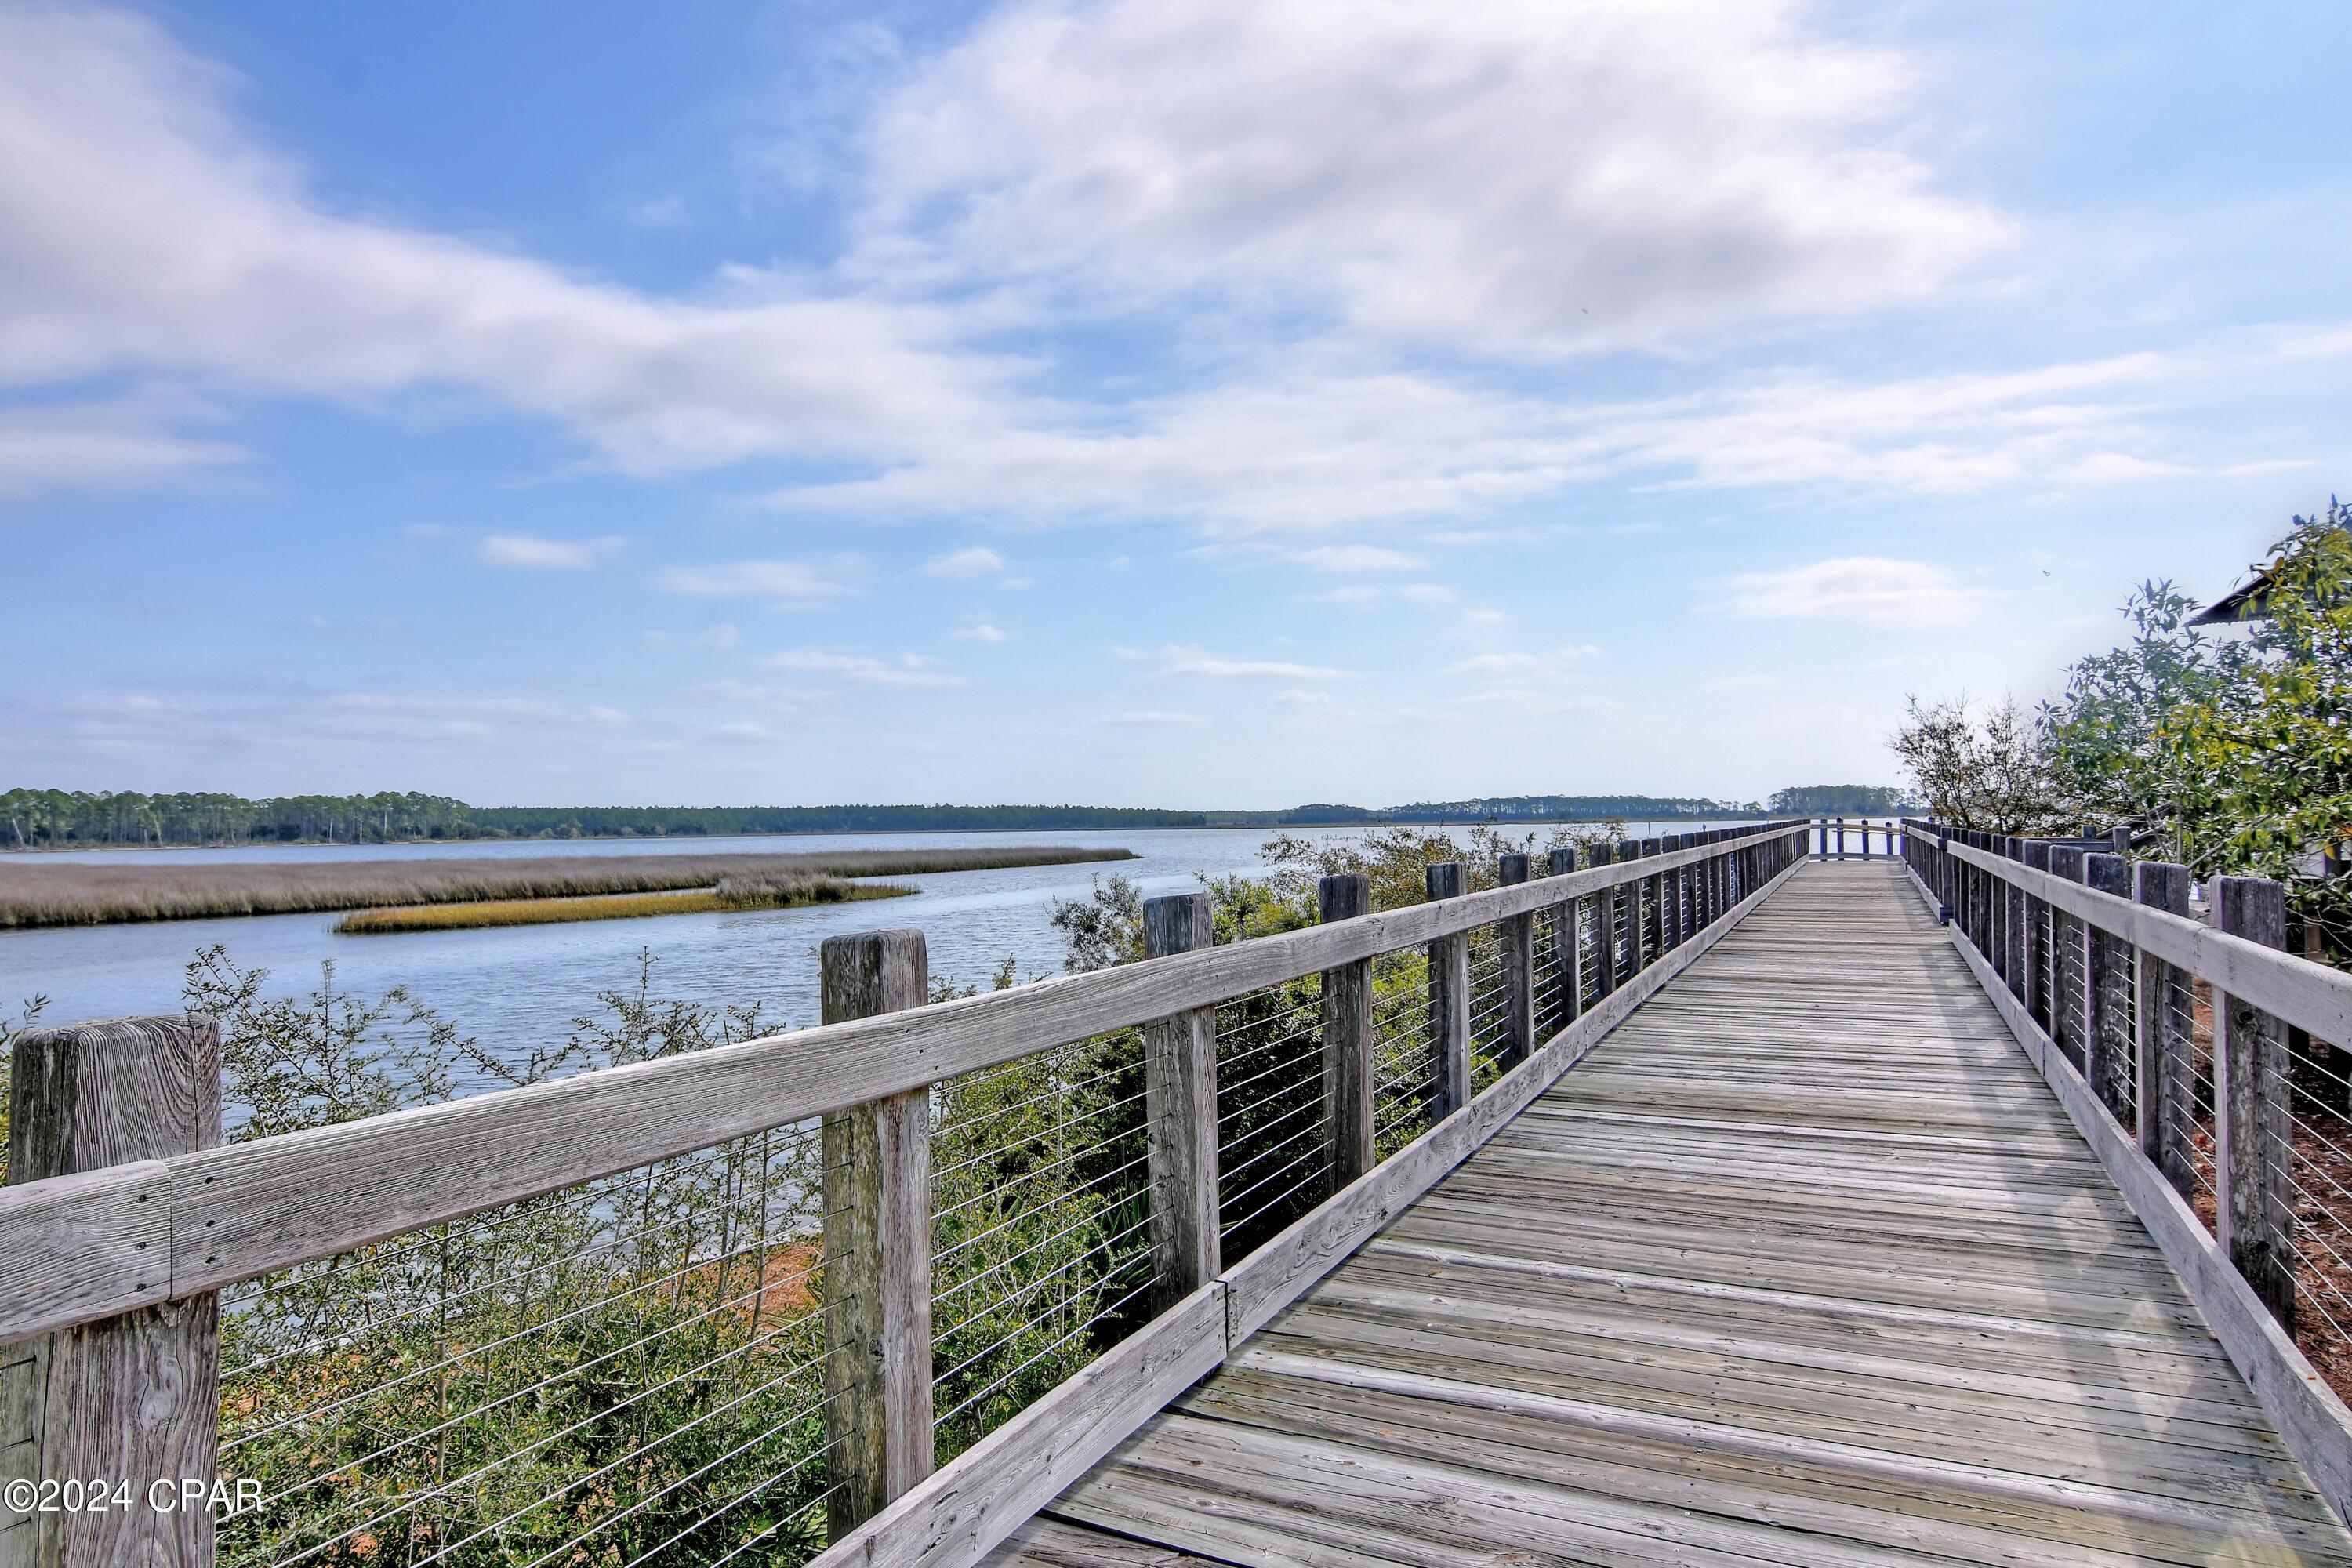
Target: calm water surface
511,985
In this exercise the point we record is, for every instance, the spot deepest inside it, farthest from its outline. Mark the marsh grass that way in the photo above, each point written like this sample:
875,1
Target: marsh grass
730,895
51,895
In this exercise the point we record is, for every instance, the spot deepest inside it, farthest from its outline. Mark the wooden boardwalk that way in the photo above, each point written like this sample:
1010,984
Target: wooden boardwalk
1803,1266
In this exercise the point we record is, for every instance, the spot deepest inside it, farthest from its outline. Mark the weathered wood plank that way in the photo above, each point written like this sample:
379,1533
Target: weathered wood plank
2252,1131
1273,1276
1449,1000
132,1398
1518,941
1349,1064
2313,1421
877,1249
960,1515
1179,1093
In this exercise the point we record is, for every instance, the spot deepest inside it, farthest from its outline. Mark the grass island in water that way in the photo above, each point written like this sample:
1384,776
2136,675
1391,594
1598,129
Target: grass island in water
732,893
50,894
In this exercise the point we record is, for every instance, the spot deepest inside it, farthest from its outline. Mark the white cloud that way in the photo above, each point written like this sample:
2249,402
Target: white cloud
907,669
1867,589
1356,558
983,632
148,231
721,636
99,446
1195,662
1429,593
533,554
793,584
978,561
1491,173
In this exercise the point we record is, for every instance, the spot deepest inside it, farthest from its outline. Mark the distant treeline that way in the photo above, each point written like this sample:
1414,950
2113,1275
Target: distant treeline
36,818
1840,800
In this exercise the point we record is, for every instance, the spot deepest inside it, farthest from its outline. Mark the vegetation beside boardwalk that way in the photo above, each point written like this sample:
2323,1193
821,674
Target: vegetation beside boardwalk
2228,749
729,895
44,893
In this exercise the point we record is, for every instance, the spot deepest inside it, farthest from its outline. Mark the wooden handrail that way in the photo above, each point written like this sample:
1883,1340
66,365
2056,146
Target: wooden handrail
2311,996
70,1249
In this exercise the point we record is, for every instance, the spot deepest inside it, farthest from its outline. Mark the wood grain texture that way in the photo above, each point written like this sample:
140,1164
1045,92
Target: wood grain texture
1663,1314
877,1249
1347,1036
1449,999
2314,1423
1518,941
1273,1276
1566,978
1179,1097
960,1515
134,1397
2253,1131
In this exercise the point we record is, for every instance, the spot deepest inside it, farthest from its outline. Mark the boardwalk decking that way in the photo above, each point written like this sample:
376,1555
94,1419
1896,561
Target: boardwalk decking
1803,1266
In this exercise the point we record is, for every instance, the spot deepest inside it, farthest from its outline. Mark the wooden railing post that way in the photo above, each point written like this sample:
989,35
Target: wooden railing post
1653,912
2019,947
1604,918
2162,1067
2036,852
1449,1001
1347,1036
877,1248
1179,1099
1566,924
1519,936
1625,921
2252,1125
2107,990
134,1399
1684,892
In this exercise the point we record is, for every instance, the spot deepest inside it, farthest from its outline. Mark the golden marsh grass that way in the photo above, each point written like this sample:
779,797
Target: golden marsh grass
773,895
39,891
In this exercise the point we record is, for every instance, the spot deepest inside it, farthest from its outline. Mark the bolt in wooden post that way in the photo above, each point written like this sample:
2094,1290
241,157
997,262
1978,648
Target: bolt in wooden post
1347,1036
877,1248
2251,1120
1180,1100
2161,1046
2107,990
1449,1001
134,1398
1567,922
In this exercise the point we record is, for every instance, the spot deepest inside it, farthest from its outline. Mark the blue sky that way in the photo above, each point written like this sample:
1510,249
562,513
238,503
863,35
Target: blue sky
1168,402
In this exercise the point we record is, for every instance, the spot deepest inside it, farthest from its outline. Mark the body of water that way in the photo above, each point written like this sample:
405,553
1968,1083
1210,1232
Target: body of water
513,985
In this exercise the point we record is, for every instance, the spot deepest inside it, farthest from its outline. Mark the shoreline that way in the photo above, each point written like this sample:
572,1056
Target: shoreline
43,849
